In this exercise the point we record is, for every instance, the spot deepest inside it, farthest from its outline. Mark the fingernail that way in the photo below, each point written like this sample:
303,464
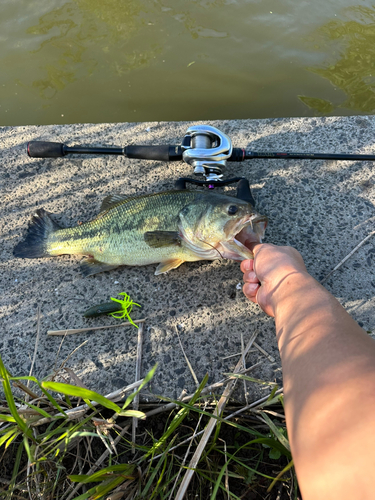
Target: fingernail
252,276
251,287
246,265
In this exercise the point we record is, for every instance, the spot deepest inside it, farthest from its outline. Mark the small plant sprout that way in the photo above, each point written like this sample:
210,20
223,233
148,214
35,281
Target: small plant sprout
126,308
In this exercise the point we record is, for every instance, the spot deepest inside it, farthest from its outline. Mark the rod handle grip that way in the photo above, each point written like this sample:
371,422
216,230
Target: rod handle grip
162,153
41,149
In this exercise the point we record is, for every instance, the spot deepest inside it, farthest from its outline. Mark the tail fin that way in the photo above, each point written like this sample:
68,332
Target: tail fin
35,243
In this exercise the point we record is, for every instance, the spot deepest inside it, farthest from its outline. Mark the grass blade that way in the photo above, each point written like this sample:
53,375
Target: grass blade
146,380
162,460
7,418
176,422
51,399
16,467
133,413
79,392
11,439
8,435
277,478
104,474
280,436
98,492
218,481
10,400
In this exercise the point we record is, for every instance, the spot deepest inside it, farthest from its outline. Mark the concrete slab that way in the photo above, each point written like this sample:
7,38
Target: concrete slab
323,208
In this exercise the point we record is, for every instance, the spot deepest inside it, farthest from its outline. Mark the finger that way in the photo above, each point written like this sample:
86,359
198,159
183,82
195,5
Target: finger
250,277
251,290
247,265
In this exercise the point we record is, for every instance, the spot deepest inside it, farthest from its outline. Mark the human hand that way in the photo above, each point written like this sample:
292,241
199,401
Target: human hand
264,275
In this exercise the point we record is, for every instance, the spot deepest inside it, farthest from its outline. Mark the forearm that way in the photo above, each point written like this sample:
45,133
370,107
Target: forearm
329,383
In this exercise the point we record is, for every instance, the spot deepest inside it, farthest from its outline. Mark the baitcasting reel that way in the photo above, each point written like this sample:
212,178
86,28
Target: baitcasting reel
207,149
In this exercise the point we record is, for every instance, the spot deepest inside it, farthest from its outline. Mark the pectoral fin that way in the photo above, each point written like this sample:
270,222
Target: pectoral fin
157,239
92,266
166,266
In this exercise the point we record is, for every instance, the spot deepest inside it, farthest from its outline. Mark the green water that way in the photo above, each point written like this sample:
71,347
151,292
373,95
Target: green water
140,60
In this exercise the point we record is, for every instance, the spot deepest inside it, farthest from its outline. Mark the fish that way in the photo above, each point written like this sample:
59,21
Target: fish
166,228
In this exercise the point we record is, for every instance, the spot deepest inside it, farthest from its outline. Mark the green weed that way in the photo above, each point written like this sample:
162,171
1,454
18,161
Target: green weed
53,446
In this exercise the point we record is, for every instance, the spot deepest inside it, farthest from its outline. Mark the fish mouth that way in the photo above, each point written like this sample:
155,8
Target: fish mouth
247,233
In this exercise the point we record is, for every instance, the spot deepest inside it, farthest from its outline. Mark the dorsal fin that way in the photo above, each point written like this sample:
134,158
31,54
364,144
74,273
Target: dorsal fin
112,200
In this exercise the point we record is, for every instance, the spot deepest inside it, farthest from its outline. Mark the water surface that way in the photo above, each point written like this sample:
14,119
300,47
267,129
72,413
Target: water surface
149,60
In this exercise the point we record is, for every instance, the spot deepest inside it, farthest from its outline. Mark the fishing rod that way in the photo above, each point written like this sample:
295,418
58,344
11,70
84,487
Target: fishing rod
197,138
206,148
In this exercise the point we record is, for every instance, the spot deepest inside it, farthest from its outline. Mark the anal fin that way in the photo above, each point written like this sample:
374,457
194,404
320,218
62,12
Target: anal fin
166,266
92,266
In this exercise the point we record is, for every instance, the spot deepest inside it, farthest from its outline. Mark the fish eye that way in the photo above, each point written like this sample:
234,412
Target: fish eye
232,209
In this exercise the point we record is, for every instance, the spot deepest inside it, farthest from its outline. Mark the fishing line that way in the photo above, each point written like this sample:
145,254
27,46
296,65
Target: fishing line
209,244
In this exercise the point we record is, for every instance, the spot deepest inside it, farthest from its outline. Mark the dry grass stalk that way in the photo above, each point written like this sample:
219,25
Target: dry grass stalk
25,389
268,356
368,221
57,370
77,381
120,491
36,344
270,412
210,426
137,377
246,370
348,256
187,361
182,395
203,442
255,404
244,367
237,354
226,469
187,453
82,330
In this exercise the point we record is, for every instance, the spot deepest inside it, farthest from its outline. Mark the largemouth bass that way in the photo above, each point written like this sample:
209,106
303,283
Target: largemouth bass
168,228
